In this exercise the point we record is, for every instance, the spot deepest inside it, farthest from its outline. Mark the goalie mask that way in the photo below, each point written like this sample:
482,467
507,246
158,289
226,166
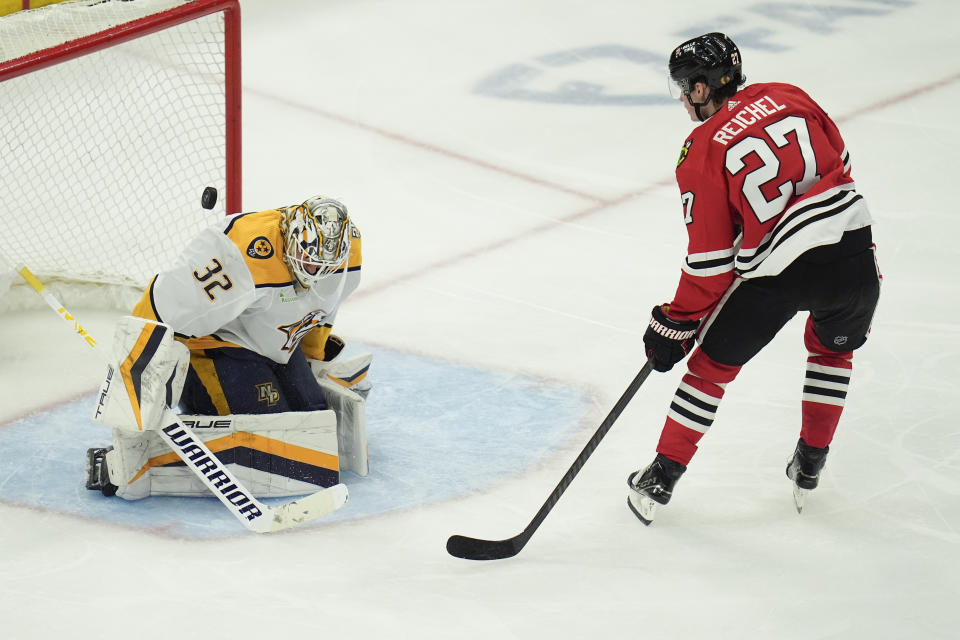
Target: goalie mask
316,239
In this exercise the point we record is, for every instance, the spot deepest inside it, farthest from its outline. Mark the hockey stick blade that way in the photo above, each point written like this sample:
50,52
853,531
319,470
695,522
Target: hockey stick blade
478,549
308,508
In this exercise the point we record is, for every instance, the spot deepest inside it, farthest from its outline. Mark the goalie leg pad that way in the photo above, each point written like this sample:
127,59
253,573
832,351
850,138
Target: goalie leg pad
274,455
351,425
127,465
345,387
145,376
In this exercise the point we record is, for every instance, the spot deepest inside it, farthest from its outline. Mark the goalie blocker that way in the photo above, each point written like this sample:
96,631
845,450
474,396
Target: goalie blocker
274,455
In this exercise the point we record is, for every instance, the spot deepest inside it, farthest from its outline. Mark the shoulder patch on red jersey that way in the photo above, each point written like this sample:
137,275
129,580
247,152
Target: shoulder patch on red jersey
684,151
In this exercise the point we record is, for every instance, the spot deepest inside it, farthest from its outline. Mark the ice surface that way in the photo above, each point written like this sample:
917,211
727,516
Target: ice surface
510,166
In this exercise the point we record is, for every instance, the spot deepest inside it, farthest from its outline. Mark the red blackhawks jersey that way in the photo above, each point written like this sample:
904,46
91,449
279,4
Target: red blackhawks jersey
763,180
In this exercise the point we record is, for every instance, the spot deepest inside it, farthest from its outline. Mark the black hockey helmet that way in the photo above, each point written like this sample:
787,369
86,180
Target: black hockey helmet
713,59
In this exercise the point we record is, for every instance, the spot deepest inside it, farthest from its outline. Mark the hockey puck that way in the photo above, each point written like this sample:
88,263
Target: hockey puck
209,198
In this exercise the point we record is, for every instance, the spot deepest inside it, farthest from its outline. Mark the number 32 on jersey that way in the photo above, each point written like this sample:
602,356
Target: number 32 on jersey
209,282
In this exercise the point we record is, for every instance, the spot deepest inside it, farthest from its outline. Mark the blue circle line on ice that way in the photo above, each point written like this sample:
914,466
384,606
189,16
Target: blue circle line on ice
436,430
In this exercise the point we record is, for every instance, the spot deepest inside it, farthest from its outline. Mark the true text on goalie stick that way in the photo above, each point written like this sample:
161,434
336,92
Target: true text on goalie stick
254,515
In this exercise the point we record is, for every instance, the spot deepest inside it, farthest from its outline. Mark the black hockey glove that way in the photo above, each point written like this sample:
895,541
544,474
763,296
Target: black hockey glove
668,341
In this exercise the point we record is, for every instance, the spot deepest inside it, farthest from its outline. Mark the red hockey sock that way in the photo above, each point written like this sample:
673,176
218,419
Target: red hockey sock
694,407
824,390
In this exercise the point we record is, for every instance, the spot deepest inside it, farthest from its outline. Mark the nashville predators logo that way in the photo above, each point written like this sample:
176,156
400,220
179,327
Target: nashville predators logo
260,248
297,330
266,392
684,151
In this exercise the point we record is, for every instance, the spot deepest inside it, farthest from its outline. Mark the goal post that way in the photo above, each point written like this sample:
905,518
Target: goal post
114,116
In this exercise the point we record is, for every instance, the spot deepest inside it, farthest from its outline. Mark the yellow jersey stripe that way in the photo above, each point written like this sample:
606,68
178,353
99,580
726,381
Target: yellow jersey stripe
256,443
203,366
257,236
145,307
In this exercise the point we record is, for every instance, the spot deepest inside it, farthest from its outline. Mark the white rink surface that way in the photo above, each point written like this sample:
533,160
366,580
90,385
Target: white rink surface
533,237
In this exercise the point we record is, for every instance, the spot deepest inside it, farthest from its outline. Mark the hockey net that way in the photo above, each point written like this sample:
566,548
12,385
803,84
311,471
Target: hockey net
114,114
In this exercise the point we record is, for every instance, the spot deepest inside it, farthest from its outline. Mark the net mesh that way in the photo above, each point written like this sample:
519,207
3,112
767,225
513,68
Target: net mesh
106,155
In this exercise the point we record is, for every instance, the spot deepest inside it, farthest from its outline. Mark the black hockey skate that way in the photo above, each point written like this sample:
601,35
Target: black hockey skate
804,469
98,479
652,486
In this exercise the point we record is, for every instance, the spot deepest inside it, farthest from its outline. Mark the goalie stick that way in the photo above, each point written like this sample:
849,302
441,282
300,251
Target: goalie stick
215,475
479,549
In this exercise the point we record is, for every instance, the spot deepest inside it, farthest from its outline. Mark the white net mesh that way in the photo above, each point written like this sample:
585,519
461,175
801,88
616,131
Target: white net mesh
106,155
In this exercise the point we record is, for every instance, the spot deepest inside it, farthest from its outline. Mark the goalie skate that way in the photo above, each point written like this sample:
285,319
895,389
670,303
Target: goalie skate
98,479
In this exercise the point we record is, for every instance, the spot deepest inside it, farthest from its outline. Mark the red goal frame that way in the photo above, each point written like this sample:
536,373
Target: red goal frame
152,24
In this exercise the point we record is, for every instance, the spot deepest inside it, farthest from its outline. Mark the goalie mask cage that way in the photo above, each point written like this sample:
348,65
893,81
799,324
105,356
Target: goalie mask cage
115,114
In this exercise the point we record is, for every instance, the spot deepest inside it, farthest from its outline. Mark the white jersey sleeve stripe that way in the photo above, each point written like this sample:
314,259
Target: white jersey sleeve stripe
709,263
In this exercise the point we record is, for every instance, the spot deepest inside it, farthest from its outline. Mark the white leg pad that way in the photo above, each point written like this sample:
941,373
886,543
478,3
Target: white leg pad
351,425
145,376
274,455
130,453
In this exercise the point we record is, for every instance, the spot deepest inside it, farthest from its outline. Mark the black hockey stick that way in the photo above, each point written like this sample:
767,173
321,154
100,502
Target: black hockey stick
478,549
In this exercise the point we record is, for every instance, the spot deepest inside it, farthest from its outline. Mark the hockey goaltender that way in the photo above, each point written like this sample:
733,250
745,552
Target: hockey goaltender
248,361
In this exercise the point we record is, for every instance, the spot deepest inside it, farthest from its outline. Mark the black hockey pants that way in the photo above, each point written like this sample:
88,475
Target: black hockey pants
838,284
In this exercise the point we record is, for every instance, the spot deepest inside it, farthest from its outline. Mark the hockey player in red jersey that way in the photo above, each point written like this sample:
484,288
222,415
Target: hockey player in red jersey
775,226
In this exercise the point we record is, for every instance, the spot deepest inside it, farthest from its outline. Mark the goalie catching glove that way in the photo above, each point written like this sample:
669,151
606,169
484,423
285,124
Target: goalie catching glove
668,341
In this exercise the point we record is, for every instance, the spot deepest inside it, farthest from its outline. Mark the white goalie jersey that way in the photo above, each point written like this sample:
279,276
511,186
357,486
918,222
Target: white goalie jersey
231,287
